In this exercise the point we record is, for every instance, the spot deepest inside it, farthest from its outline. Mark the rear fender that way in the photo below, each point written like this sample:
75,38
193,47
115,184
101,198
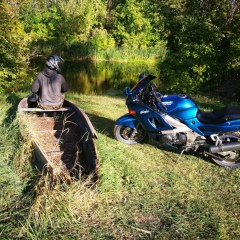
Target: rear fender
127,120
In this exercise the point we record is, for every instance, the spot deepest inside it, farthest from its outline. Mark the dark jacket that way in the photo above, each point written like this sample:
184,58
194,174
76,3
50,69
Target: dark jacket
49,86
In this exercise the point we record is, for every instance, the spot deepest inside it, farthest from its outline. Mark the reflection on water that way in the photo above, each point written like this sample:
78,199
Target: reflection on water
97,78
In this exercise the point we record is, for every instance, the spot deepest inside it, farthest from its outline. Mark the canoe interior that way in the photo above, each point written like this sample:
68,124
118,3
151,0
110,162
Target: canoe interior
64,141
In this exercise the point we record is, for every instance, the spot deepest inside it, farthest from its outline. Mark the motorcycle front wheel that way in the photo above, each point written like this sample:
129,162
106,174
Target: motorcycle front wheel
129,135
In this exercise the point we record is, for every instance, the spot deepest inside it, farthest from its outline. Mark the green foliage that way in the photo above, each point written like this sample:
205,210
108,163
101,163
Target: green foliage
192,57
41,19
202,37
78,28
102,41
78,17
13,41
132,26
199,44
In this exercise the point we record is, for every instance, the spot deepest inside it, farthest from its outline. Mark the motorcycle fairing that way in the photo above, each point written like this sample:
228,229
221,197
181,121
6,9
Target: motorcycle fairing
204,123
209,129
150,120
147,115
127,120
180,106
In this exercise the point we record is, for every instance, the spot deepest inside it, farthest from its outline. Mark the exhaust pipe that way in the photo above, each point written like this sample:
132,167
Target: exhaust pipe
225,147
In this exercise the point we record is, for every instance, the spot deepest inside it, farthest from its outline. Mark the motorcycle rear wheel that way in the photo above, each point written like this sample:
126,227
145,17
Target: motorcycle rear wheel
231,160
126,134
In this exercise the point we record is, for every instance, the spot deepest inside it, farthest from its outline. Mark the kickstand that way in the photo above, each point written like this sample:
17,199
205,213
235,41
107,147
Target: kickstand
180,155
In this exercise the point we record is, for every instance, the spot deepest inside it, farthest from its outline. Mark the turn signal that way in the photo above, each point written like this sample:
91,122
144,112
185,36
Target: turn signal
132,112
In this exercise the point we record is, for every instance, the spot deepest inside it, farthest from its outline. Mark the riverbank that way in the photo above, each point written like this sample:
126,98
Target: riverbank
82,52
145,192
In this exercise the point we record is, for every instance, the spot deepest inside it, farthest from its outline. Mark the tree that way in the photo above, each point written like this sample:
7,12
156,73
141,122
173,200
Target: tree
131,26
13,51
200,42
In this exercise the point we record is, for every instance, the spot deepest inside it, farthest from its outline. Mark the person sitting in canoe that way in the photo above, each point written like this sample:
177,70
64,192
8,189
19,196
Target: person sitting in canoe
50,85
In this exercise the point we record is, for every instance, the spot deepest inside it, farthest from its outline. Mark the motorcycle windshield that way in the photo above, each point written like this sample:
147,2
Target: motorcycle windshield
142,83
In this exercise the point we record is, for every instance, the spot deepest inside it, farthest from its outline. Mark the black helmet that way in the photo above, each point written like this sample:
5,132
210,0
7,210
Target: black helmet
53,62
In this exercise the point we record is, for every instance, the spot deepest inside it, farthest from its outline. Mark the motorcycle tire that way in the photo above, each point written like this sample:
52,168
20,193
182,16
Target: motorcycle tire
231,158
228,161
126,134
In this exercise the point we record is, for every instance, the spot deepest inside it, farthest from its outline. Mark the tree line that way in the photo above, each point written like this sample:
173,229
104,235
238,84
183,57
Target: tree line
196,42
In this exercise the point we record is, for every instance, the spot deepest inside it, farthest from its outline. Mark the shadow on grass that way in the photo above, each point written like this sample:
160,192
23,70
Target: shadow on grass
106,126
102,124
175,155
11,114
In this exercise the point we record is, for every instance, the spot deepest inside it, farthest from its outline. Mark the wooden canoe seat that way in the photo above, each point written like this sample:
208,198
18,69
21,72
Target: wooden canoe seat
62,109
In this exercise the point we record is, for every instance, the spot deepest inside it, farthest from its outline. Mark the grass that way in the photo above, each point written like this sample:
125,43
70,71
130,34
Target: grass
81,51
150,55
145,191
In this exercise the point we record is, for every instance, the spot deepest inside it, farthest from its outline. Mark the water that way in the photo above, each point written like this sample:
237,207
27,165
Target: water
97,78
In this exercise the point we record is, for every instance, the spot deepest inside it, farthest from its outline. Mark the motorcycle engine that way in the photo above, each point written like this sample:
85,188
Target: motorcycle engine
173,139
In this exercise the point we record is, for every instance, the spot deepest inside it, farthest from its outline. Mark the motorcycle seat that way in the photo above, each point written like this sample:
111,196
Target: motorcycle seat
225,114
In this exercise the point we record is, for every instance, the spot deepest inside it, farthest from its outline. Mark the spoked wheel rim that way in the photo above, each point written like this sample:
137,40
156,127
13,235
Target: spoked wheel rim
231,159
228,158
129,135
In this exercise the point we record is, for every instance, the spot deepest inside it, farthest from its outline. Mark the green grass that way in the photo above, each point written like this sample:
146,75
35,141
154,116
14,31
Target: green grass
145,192
149,55
80,51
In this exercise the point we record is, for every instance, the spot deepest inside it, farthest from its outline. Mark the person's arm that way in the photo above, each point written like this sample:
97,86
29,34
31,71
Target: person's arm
65,86
35,86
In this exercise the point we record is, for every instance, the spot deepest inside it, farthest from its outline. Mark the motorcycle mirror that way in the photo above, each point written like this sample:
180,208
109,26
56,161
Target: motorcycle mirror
142,75
127,91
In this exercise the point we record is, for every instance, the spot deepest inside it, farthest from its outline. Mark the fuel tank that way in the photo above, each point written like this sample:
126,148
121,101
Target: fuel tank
180,106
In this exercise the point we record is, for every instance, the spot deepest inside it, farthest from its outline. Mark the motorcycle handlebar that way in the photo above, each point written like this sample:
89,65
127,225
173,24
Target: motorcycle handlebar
158,99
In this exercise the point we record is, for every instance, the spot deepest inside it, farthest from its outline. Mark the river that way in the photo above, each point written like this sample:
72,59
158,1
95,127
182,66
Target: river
97,78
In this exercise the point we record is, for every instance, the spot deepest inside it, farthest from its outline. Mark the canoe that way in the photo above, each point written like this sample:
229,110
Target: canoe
63,140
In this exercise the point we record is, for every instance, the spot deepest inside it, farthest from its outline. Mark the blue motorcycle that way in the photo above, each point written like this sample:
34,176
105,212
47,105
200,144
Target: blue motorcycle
177,123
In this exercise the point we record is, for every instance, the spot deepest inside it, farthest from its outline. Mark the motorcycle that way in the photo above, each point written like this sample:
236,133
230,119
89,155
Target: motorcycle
177,123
